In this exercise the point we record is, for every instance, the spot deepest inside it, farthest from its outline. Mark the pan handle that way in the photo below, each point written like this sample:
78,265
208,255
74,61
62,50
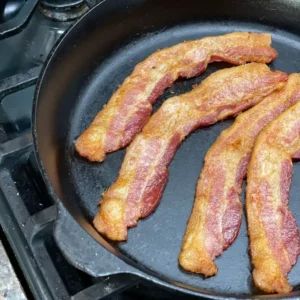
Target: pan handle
82,251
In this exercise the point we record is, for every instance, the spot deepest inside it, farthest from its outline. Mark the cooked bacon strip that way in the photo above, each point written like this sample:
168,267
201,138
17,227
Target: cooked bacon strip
217,213
143,174
273,232
129,108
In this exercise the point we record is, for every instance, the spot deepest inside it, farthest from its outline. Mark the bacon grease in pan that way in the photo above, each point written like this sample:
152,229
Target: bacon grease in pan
130,106
216,217
144,173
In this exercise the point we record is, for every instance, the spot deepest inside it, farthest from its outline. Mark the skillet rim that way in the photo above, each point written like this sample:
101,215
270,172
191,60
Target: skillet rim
137,270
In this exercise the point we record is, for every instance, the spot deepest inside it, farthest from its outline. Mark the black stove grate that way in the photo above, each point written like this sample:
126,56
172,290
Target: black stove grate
13,23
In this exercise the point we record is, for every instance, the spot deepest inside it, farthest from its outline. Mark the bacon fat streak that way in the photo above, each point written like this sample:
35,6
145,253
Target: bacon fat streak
130,106
273,232
216,217
144,173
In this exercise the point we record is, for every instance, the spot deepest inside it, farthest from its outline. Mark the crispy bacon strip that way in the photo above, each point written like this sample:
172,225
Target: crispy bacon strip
273,232
144,173
217,213
129,108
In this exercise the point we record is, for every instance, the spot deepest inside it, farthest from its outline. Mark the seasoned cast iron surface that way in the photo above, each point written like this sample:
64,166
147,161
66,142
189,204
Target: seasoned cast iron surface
156,242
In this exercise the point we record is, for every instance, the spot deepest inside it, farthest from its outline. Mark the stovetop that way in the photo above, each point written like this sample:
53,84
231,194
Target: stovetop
27,212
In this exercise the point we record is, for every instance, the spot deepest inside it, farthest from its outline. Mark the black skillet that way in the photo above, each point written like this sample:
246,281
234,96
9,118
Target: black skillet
81,74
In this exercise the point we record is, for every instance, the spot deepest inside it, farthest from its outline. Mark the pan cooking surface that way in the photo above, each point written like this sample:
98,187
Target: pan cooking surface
156,242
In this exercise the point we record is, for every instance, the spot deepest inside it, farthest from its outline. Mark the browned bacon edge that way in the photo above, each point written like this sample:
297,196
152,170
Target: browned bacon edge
273,232
143,174
216,217
130,106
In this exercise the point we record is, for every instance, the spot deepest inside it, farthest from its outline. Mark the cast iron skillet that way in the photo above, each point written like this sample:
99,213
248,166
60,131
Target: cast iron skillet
81,74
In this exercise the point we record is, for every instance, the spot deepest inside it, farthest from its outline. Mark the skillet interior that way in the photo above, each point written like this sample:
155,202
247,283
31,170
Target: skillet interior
90,63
